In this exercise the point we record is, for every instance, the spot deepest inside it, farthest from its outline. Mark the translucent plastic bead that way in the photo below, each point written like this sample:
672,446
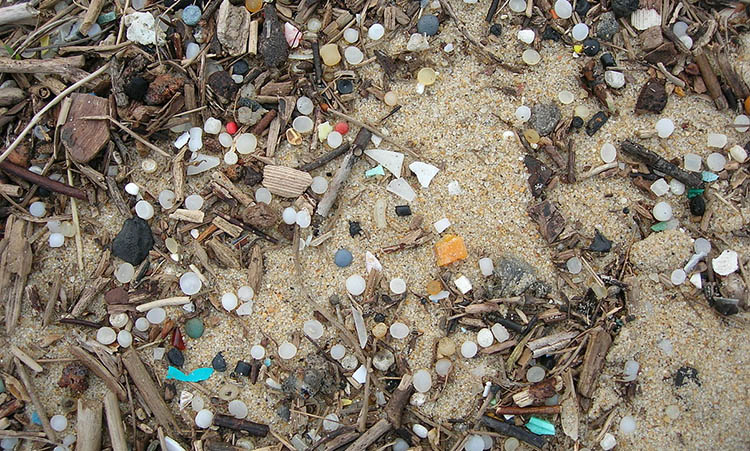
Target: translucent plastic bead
608,442
353,55
289,215
225,139
678,277
330,54
287,350
334,139
106,335
580,31
399,331
313,328
314,25
526,36
246,143
660,187
716,162
486,266
167,198
56,240
500,332
229,301
518,6
355,285
390,98
679,29
257,352
118,320
263,196
422,381
303,124
692,162
319,185
376,32
38,209
148,165
676,187
563,9
664,127
237,408
195,143
338,351
182,140
303,218
474,443
627,425
608,153
397,285
485,337
443,367
331,422
523,113
58,422
192,50
630,370
124,338
469,349
305,105
511,444
132,189
204,418
156,315
212,126
194,202
742,123
245,293
144,209
190,283
531,57
662,211
351,35
124,272
738,153
142,324
426,76
716,140
565,97
535,374
574,265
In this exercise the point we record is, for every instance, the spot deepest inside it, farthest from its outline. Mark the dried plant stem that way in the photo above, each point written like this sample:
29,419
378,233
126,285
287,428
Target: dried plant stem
38,406
100,370
38,116
114,422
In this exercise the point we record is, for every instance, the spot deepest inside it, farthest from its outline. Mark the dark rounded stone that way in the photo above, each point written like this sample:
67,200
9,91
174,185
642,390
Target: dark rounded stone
550,34
623,8
240,67
607,60
379,318
242,369
136,88
582,7
697,206
218,363
576,123
133,242
403,210
496,29
175,357
345,86
591,47
428,24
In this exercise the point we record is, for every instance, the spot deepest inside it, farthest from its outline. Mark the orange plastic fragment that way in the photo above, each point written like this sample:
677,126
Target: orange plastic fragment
679,91
449,249
253,5
434,287
747,105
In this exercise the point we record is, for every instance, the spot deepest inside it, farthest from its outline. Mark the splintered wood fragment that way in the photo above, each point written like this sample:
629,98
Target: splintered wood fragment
60,66
18,14
233,190
92,13
538,392
569,408
236,424
54,294
550,343
593,360
711,80
498,347
255,268
549,220
84,139
223,253
393,412
149,391
656,162
38,406
273,136
114,422
26,359
15,266
252,42
182,214
88,295
285,181
227,227
116,195
10,190
178,174
100,370
89,425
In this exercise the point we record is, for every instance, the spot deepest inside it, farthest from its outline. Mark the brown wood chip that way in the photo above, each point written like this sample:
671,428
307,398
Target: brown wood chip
285,182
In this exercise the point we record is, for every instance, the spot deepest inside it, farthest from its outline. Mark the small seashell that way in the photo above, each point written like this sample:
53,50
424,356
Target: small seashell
292,35
643,19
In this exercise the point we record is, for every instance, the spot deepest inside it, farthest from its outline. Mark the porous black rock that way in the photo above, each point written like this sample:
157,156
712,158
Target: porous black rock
133,242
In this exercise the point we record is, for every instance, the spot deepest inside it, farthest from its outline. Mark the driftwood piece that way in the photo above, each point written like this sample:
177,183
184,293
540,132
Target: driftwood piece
84,139
15,267
393,412
255,268
89,425
656,162
593,360
711,80
284,181
233,190
149,391
114,422
236,424
550,343
18,14
100,370
223,253
54,294
89,293
548,218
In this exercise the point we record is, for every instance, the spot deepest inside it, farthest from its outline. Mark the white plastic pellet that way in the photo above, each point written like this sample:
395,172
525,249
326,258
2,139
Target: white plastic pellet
517,6
246,143
627,425
118,320
124,338
245,293
194,202
148,165
303,218
419,430
237,408
231,158
397,285
608,442
156,315
132,189
353,55
257,352
124,272
38,209
225,139
289,215
565,97
262,195
486,266
190,283
474,443
167,198
56,239
106,335
212,126
535,374
58,422
338,351
182,140
305,105
192,50
716,162
314,25
662,211
500,332
142,324
334,139
469,349
692,162
676,187
679,29
563,9
485,338
660,187
229,301
204,418
287,350
608,153
664,127
580,31
144,209
523,113
526,36
331,422
351,35
195,143
375,32
355,285
738,154
319,185
441,225
716,140
399,331
443,367
422,381
742,123
313,328
303,124
574,265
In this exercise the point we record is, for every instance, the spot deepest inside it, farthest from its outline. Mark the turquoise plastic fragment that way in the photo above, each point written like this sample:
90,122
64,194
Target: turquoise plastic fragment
106,18
659,226
709,176
693,192
35,418
540,427
198,375
377,170
267,362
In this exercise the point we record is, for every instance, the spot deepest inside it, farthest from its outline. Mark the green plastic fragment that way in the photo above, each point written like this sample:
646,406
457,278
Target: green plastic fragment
660,226
709,176
694,192
194,327
106,18
540,427
2,386
377,170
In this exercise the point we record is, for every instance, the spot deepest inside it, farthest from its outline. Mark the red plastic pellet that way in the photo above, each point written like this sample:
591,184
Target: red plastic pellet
341,127
231,128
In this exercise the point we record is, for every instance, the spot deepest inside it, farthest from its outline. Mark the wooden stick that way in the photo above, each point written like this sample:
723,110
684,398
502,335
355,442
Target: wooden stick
531,410
100,370
54,293
712,82
325,158
38,116
22,13
38,406
88,295
89,425
176,300
251,427
114,422
654,161
59,66
44,182
92,13
362,423
26,359
149,391
571,174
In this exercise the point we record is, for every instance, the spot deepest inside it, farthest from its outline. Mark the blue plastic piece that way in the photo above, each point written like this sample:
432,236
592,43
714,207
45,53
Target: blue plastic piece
198,375
540,427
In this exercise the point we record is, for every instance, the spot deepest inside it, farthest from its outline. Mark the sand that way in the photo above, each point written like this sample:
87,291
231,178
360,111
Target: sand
458,125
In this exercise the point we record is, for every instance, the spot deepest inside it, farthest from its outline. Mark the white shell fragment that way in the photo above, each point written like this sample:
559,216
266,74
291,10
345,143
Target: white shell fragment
425,172
726,263
393,161
645,18
401,188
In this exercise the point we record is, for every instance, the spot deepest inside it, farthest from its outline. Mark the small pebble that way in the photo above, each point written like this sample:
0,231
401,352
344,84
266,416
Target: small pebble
175,357
191,15
194,328
428,24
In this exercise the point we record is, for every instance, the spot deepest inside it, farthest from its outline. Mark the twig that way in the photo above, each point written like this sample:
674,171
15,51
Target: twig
149,390
38,116
176,300
531,410
672,79
374,131
44,182
114,422
658,163
325,158
26,359
362,423
54,293
92,13
76,223
100,370
38,406
598,170
20,13
89,425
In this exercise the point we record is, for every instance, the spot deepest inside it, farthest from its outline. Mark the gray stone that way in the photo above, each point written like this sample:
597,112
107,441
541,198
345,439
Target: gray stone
134,241
383,360
428,24
512,277
246,116
233,27
273,44
544,118
607,26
